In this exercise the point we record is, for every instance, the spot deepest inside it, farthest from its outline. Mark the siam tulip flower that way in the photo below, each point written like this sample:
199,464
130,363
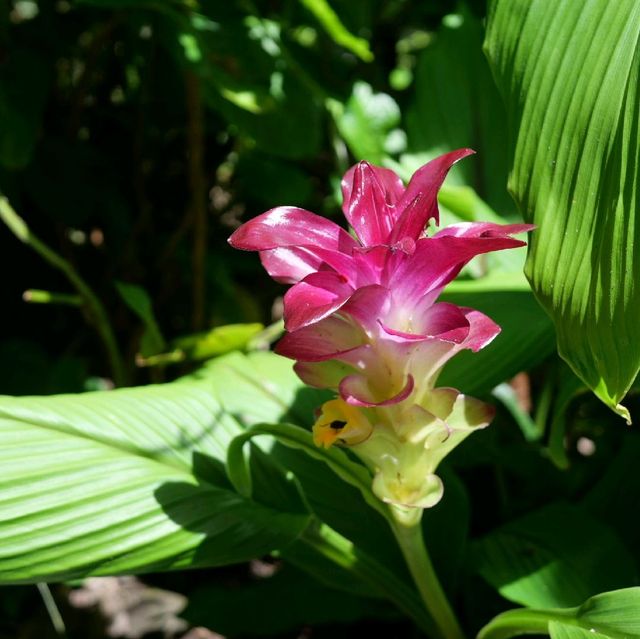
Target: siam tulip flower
362,318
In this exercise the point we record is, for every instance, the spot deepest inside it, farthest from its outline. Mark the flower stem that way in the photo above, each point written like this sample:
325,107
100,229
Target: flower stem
94,307
411,542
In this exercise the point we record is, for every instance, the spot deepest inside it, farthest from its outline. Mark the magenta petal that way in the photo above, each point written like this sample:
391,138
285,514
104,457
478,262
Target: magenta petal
290,226
419,203
315,297
391,184
320,341
370,262
367,304
355,390
482,330
437,260
366,205
443,321
483,229
289,264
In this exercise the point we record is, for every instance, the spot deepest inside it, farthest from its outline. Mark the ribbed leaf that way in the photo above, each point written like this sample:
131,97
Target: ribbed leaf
611,615
555,557
569,74
124,481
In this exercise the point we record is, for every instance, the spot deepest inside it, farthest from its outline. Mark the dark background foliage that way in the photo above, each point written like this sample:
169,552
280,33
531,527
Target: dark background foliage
135,135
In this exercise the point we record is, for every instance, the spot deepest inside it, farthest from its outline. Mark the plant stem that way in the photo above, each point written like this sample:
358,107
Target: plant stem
52,609
36,296
413,548
97,315
523,621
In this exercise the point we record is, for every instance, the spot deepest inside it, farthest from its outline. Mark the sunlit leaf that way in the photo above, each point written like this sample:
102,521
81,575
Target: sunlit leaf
569,74
138,300
368,122
611,615
555,557
456,104
331,22
217,341
124,481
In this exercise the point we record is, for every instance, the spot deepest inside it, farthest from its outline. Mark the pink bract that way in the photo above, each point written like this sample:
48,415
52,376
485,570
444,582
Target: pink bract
361,316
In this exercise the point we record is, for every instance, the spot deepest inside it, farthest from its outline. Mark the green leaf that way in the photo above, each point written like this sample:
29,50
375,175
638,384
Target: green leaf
349,471
559,630
262,387
368,122
125,481
138,300
555,557
569,74
332,24
456,105
525,340
307,602
610,614
617,493
613,614
217,341
262,384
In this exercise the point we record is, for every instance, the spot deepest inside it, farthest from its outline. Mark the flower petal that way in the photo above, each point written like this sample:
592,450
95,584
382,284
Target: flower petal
483,330
289,265
322,340
291,226
419,203
366,305
313,298
391,184
326,374
356,390
370,194
437,260
483,229
444,321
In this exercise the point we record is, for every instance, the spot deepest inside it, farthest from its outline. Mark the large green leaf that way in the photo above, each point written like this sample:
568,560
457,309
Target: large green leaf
569,74
555,557
125,481
262,387
455,104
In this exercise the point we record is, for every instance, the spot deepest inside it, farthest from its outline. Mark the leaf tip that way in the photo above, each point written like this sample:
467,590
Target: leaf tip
623,411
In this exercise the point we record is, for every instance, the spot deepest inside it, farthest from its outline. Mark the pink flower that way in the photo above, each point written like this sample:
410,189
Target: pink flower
372,299
362,316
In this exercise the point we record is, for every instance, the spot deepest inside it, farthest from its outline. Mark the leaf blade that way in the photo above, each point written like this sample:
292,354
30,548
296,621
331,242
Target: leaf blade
576,173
